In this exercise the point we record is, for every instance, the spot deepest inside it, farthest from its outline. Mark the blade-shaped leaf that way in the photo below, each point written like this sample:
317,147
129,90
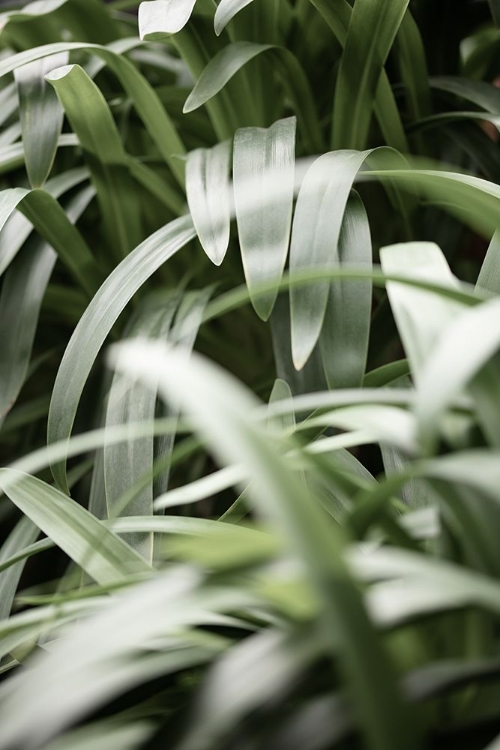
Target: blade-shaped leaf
166,16
222,411
93,123
131,402
315,236
207,188
226,10
421,317
143,96
447,371
20,300
264,160
372,29
98,320
232,58
41,116
346,328
99,552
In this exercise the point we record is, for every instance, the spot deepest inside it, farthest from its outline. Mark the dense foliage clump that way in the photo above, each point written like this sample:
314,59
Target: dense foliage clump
249,375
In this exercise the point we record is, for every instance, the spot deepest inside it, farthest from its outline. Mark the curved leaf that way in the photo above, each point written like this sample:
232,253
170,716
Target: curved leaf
143,96
264,160
98,320
20,300
41,116
93,123
208,193
448,371
226,10
99,552
232,58
315,236
346,328
165,16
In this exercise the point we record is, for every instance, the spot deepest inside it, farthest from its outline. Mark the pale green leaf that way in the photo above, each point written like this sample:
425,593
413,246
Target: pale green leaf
208,195
41,116
264,160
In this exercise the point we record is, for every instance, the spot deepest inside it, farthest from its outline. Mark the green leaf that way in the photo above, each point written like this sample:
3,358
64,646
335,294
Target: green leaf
20,301
168,16
372,29
131,402
264,160
232,58
489,275
421,317
447,371
315,236
484,95
144,98
47,216
222,411
17,228
99,552
41,116
23,534
208,194
92,121
97,322
337,15
346,328
495,11
227,10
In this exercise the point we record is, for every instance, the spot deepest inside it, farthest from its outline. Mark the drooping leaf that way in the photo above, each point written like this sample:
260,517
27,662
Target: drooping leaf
103,556
98,320
207,189
315,235
167,16
264,160
41,116
144,98
346,328
421,318
92,121
232,58
20,300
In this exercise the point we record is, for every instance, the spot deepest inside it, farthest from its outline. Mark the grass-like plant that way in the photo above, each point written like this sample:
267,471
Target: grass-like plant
287,538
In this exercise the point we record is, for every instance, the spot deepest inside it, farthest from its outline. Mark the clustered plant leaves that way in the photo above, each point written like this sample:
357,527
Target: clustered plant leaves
250,375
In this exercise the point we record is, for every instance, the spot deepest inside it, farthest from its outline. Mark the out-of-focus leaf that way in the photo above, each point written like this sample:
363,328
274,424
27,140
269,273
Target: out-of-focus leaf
264,160
421,317
130,402
99,552
41,116
208,195
447,371
222,411
346,328
98,320
495,11
372,29
489,275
